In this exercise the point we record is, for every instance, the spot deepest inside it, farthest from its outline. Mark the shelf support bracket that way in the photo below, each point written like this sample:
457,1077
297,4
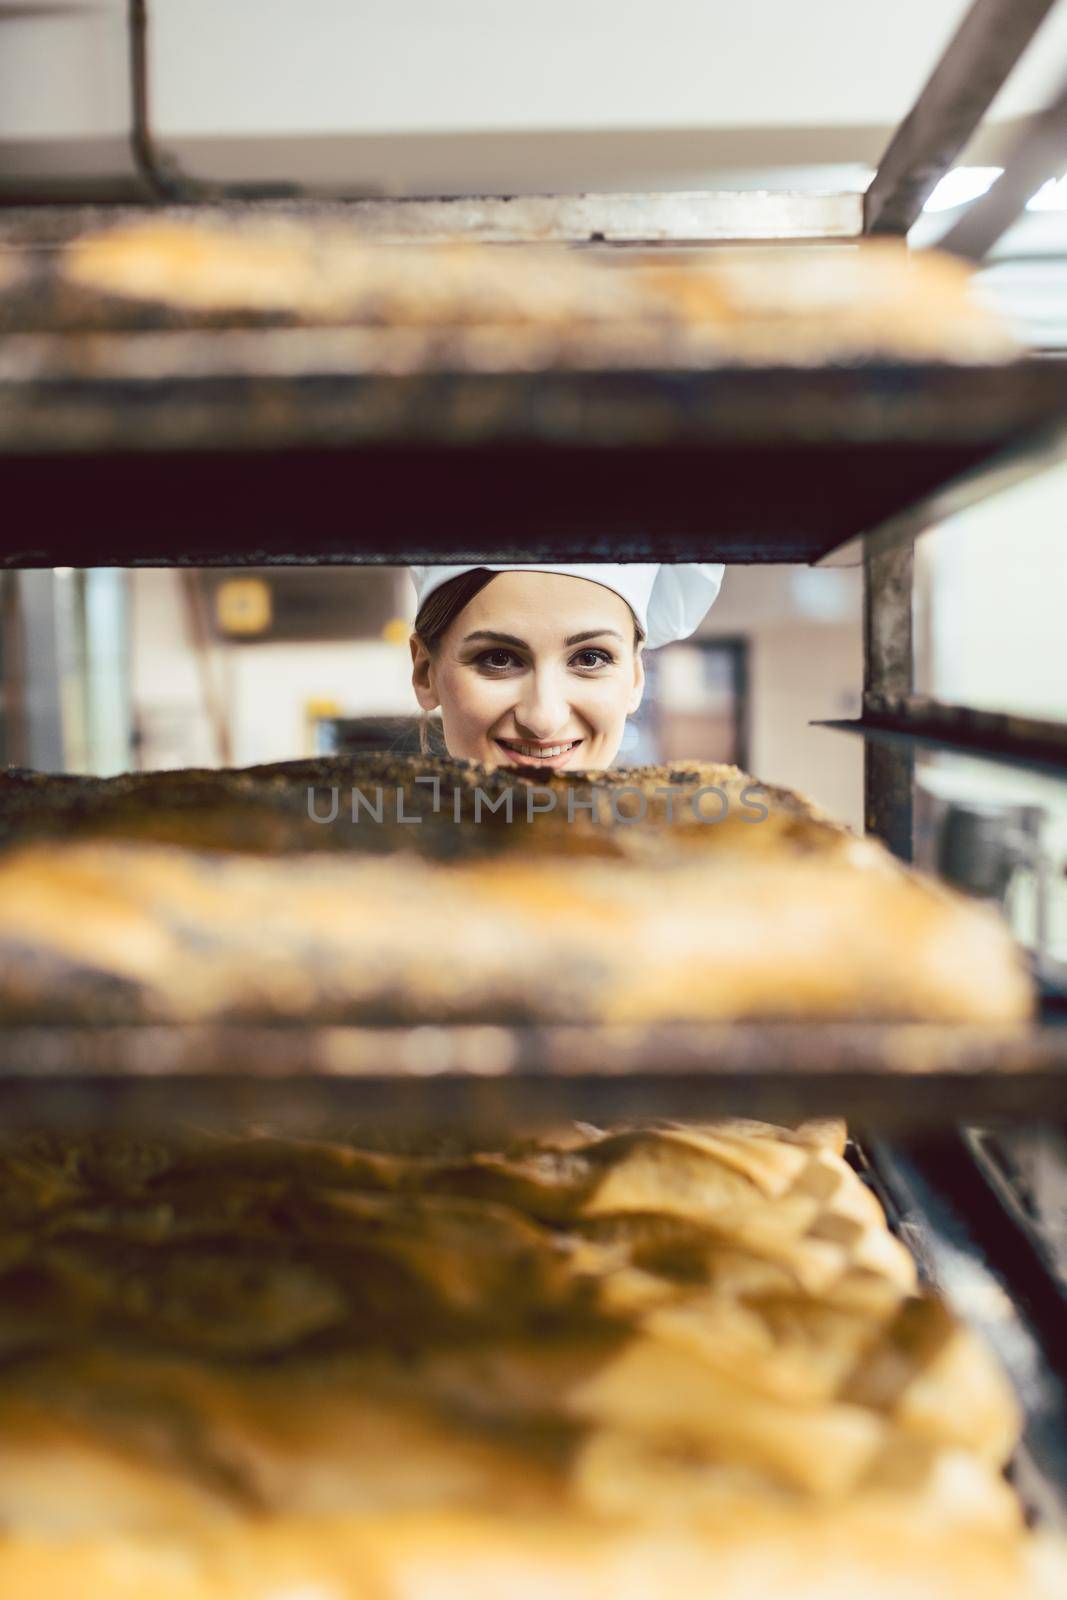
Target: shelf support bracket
976,63
888,669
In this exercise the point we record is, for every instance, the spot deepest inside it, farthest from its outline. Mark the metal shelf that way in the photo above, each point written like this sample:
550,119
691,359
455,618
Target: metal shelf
676,218
495,1077
913,722
971,1250
295,445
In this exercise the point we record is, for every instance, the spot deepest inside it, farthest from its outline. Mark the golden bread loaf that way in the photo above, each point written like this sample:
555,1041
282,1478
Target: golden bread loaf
246,1367
540,304
200,896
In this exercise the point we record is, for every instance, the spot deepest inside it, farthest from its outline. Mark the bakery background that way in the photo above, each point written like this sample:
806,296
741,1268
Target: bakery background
109,668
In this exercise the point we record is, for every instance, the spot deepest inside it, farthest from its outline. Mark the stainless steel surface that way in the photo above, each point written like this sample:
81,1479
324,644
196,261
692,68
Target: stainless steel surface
888,667
975,64
1040,153
31,688
681,217
981,847
903,719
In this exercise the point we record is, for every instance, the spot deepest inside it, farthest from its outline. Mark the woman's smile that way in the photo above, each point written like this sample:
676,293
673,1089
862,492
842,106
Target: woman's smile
524,753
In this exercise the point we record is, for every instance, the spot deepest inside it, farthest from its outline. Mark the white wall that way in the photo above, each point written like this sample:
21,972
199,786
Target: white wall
265,688
803,625
166,692
65,76
801,675
260,68
416,65
271,686
997,584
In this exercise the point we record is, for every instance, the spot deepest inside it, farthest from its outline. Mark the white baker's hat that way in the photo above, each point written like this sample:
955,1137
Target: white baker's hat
668,600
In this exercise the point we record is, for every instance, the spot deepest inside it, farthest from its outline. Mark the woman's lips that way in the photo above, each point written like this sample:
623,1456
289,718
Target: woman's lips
517,759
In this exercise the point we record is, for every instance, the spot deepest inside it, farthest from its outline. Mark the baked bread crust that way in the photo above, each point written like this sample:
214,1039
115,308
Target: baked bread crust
246,1366
540,304
538,919
608,1361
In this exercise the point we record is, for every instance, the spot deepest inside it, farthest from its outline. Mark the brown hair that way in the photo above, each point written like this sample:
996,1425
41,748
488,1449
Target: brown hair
436,615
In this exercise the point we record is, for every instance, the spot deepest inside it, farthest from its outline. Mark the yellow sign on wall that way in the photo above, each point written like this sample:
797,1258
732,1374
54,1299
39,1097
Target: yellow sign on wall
243,605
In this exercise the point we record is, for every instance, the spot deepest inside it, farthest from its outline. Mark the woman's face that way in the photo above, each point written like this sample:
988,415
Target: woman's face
539,668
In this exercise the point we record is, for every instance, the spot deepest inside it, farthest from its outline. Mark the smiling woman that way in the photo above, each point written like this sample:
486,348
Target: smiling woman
542,665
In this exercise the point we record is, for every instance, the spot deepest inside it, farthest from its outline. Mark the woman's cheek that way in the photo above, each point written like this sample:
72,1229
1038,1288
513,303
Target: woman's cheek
604,702
481,704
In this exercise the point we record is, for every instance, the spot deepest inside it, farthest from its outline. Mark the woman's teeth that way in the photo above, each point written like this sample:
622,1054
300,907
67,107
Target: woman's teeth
545,750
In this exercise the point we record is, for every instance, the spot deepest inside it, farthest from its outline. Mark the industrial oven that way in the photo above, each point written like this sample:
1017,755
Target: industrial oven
139,443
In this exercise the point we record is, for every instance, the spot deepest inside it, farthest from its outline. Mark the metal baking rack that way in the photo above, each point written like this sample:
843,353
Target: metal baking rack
116,443
148,443
491,1077
915,721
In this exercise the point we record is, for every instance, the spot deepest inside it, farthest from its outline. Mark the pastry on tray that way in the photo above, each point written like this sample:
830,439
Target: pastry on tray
477,305
246,1367
197,896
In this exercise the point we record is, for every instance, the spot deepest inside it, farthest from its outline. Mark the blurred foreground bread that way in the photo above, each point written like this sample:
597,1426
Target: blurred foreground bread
411,915
125,932
605,1362
541,303
587,1365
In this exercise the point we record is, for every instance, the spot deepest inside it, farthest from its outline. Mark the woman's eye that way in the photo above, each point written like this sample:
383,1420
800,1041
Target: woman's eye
499,660
486,659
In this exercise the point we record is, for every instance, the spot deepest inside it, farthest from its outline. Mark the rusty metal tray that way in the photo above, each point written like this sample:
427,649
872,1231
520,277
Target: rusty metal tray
917,722
888,1075
133,431
296,445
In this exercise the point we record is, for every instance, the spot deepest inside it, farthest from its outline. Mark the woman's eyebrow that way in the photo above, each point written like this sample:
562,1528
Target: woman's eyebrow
509,638
593,633
488,633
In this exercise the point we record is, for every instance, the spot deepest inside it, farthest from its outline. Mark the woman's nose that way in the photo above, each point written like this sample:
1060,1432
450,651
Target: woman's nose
543,708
